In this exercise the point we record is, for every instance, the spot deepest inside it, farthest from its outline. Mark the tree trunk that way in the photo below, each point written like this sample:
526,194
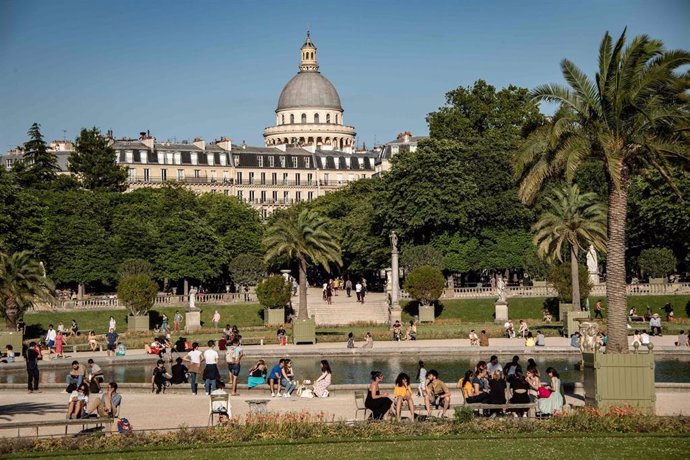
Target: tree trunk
302,313
11,314
185,290
80,291
575,277
617,320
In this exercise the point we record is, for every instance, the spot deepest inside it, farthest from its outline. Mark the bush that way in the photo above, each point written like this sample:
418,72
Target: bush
246,269
425,284
414,257
463,414
560,278
135,267
657,262
273,292
138,293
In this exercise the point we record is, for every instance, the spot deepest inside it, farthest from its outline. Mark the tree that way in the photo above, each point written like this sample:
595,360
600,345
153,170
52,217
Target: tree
22,216
633,118
425,284
39,167
305,236
138,293
413,257
273,292
93,160
132,267
657,262
561,278
246,269
575,220
22,282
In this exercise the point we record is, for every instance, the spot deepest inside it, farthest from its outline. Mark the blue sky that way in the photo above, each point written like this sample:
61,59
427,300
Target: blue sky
202,68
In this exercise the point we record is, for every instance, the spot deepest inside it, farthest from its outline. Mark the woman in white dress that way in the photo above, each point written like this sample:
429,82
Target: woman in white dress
324,381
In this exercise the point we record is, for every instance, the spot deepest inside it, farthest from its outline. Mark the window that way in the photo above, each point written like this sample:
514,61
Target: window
213,176
226,176
325,179
260,160
282,119
128,156
263,178
286,196
239,177
298,196
251,196
271,161
336,119
251,178
275,196
147,174
298,179
282,162
177,158
310,196
285,178
316,118
263,196
336,162
132,174
294,162
328,118
226,192
307,162
180,174
292,119
264,213
310,178
304,118
274,178
164,175
239,194
236,158
197,173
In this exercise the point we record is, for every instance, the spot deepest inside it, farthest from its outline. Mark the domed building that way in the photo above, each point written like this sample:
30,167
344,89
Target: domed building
309,113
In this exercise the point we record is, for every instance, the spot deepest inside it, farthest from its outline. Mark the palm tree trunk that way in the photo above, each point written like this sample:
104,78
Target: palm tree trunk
617,319
302,313
575,277
11,314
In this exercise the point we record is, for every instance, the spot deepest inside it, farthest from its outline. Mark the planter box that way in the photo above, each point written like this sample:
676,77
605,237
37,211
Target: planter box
571,323
657,280
138,323
192,321
617,380
562,308
304,331
274,316
11,338
426,313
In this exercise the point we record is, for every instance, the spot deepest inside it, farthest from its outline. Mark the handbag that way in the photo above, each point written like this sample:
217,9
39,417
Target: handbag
543,392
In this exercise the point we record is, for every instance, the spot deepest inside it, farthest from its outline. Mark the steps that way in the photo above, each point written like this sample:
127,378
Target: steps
346,310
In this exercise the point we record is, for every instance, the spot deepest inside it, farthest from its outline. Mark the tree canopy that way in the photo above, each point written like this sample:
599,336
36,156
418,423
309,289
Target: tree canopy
93,160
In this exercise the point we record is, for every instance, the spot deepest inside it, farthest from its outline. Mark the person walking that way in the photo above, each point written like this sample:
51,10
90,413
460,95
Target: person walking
177,320
358,291
50,339
597,310
348,287
33,355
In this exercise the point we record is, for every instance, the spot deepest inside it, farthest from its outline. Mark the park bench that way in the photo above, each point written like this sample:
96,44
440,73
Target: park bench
95,422
77,347
253,340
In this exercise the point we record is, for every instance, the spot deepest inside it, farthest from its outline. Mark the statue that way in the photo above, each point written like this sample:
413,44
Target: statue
394,241
588,336
192,298
501,290
592,260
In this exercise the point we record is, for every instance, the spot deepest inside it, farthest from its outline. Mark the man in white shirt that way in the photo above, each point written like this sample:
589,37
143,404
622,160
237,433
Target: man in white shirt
211,374
509,329
50,338
358,291
493,365
233,357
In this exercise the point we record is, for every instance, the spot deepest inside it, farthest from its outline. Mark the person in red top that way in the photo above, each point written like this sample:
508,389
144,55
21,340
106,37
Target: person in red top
597,310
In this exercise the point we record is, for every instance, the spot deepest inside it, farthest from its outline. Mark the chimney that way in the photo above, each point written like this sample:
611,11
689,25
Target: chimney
146,139
224,143
199,142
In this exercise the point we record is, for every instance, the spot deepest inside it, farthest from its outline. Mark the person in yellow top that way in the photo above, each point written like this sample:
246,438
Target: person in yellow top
401,393
437,393
529,341
465,384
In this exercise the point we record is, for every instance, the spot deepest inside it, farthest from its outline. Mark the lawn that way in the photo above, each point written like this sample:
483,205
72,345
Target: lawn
570,446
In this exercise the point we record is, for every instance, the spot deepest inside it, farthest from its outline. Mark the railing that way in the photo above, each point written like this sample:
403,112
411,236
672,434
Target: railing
598,290
112,303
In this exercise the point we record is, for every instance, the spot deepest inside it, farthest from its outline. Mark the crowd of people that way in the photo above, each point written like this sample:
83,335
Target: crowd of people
332,286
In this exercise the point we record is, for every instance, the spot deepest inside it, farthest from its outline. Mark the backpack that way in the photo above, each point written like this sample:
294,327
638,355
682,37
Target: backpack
123,426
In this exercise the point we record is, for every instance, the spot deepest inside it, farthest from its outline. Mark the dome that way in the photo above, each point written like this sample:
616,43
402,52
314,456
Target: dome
309,89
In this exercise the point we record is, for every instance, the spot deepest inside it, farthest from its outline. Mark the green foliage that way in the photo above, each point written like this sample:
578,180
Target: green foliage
460,254
414,257
425,284
22,282
246,269
657,262
138,293
560,277
131,267
39,167
536,267
273,292
463,414
93,160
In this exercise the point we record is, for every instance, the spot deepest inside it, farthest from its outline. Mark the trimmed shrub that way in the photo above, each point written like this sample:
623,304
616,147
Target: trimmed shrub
138,293
425,284
273,292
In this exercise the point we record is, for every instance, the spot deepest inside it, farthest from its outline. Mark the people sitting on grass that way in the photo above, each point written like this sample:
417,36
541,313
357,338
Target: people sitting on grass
77,401
324,381
411,332
179,373
402,393
437,393
546,316
108,405
379,403
397,331
257,374
509,329
275,377
483,339
554,401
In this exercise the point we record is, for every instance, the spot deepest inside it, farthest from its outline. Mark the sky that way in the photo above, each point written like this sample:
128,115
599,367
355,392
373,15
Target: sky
183,69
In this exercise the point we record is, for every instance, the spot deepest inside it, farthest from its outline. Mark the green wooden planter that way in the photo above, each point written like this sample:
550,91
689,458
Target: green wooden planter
274,316
620,379
571,323
138,323
304,331
426,314
11,338
562,308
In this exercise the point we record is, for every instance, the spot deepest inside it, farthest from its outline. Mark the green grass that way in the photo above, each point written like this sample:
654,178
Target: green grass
570,446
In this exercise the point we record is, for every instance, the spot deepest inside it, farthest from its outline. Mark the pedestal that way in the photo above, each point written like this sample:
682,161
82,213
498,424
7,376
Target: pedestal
594,278
426,314
192,321
138,323
394,314
274,316
501,312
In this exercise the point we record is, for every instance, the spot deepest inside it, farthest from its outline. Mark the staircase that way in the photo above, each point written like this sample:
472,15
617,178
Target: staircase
346,310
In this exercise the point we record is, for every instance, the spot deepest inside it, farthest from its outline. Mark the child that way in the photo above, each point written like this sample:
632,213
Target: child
350,340
59,339
282,336
9,351
121,349
421,378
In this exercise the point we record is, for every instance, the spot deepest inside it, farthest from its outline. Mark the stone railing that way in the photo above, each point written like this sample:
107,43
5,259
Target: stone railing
547,291
112,303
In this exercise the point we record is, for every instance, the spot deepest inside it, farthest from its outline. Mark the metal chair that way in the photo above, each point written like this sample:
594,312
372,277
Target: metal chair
359,405
218,404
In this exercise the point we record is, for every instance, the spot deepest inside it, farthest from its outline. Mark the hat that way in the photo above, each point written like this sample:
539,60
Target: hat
655,315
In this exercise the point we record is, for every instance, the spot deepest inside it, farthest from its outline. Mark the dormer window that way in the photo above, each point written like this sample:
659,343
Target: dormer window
294,162
271,161
236,159
260,160
282,161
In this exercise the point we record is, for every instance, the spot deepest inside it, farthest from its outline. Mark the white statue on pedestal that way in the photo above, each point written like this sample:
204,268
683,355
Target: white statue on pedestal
192,298
593,265
501,290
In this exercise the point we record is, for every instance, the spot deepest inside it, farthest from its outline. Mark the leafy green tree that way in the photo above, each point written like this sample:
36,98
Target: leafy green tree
39,167
657,262
633,118
246,269
22,216
561,277
237,224
413,257
502,249
93,160
306,237
131,267
575,220
273,292
425,284
138,293
22,282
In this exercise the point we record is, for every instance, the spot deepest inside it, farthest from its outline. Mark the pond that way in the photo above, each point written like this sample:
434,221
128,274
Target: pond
356,369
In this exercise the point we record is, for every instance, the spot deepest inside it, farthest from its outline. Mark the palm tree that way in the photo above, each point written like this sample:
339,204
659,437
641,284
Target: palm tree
304,236
22,281
633,117
576,220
